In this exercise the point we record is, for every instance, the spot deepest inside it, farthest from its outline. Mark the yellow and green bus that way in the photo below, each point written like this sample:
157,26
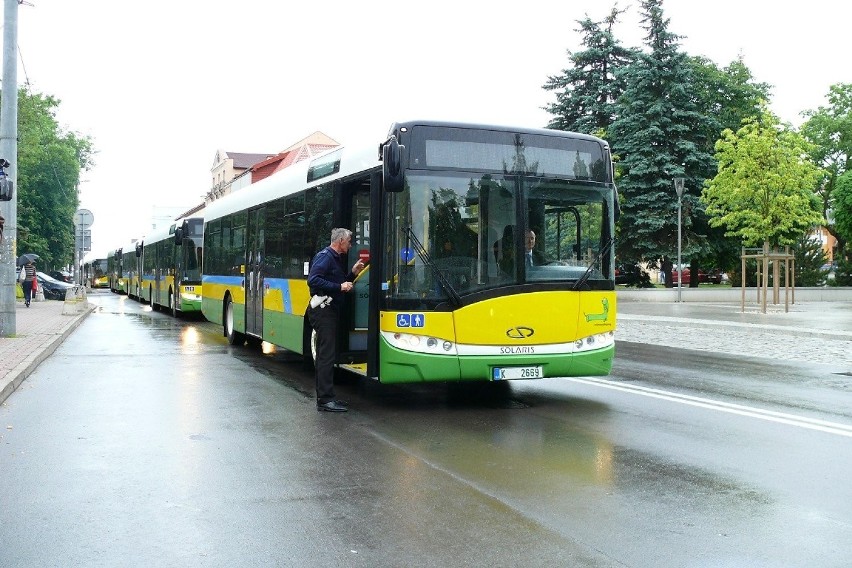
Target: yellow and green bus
95,271
170,267
123,268
442,213
131,259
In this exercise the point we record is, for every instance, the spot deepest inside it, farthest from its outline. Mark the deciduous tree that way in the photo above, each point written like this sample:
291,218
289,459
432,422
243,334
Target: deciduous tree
829,128
49,164
842,203
763,191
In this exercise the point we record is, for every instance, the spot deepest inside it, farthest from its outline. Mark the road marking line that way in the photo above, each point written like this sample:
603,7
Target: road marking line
769,415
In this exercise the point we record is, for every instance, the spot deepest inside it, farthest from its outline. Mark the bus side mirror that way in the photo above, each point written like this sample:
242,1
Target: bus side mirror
138,250
178,236
392,165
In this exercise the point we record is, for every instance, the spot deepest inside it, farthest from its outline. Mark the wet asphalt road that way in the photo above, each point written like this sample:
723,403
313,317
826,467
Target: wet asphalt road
148,441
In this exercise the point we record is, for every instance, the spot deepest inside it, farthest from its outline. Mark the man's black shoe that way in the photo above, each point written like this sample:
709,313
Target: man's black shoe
332,406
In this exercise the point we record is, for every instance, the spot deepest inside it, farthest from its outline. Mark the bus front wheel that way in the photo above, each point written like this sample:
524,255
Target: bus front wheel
172,304
234,336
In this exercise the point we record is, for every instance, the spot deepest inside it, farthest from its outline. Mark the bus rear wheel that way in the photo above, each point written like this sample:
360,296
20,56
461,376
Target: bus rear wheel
234,336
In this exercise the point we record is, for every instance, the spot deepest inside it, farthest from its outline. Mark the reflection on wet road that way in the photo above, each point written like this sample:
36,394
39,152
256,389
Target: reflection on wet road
186,451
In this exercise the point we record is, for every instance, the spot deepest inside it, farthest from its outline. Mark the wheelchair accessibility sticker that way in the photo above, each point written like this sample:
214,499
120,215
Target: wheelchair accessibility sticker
410,320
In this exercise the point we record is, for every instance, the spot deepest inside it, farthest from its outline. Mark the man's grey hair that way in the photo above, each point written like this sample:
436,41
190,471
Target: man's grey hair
340,233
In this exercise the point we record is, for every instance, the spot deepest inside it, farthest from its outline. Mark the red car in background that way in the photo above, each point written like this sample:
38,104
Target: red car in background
714,277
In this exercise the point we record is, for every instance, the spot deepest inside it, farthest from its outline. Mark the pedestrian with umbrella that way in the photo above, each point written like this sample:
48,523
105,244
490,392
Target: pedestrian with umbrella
28,275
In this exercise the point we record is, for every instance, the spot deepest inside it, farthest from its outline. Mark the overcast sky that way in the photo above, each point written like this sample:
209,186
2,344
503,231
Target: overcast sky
161,85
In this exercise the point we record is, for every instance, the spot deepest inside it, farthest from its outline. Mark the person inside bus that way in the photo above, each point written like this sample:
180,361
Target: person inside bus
533,256
328,281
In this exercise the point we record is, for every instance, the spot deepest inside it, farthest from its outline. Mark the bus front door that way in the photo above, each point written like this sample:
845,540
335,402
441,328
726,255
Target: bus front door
254,272
360,297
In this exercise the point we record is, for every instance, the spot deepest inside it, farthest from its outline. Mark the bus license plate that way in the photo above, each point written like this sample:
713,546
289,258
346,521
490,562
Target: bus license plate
507,373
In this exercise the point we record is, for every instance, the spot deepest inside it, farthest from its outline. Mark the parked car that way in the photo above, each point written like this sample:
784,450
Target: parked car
687,276
631,275
61,275
716,276
53,289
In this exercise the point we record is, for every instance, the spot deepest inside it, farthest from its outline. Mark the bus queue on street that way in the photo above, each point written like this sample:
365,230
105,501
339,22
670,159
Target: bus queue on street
489,252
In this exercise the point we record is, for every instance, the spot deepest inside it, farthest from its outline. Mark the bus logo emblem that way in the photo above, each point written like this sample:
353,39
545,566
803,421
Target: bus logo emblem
520,332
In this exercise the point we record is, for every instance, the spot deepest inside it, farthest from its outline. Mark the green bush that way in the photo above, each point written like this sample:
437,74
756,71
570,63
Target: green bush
810,257
843,273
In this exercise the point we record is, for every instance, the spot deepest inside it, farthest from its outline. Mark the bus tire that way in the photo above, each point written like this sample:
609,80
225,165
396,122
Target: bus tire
151,303
234,336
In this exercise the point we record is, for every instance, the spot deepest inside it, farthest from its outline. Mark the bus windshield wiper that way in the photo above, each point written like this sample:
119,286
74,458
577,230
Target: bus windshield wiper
427,260
605,250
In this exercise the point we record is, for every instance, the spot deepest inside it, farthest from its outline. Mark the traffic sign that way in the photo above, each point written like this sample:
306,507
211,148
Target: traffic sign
83,218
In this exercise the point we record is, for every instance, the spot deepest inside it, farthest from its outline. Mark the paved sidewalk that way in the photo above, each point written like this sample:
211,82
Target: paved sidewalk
39,331
809,332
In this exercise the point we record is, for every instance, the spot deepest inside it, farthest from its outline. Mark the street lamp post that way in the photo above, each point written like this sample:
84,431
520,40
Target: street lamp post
678,184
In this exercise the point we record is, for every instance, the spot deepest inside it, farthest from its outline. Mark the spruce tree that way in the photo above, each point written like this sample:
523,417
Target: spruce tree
587,91
660,134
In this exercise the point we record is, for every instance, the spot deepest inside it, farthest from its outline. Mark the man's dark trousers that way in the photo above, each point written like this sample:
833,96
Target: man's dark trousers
324,321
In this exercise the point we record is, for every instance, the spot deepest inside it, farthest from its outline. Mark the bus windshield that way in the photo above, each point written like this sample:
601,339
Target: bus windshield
457,233
193,247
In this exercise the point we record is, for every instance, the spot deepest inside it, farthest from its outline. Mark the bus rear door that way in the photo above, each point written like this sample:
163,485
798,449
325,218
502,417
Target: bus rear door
254,272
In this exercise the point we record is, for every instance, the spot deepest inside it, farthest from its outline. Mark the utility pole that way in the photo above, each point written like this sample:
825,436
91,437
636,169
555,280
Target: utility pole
678,183
9,152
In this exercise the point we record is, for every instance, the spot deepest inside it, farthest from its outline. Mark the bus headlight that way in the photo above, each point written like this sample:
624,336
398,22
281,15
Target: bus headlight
592,342
420,343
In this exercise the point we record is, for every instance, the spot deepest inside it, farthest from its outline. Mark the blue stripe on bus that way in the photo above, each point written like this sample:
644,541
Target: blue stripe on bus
226,280
282,284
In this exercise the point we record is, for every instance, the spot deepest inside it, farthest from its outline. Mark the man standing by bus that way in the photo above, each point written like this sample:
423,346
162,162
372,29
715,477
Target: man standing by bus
328,282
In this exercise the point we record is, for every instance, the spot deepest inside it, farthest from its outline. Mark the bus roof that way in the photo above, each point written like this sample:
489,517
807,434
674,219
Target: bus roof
501,128
353,160
294,178
95,256
165,232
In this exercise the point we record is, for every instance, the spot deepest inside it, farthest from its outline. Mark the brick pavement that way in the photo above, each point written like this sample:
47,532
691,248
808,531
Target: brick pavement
40,329
810,332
